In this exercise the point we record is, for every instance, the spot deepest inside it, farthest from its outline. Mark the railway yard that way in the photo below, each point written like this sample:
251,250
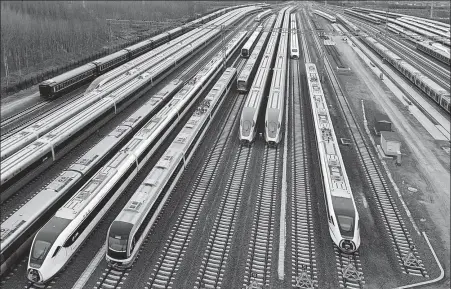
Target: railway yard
296,145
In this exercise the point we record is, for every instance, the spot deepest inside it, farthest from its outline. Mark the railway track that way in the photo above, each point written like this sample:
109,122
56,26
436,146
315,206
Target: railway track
420,62
33,114
303,254
215,257
175,247
403,245
112,279
9,121
258,262
349,269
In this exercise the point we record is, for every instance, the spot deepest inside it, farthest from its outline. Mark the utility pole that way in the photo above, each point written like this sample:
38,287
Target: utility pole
432,9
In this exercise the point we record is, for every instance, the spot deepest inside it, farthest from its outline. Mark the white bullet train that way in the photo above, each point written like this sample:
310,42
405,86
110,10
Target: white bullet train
251,42
325,15
294,43
278,90
130,228
342,214
253,103
262,15
247,74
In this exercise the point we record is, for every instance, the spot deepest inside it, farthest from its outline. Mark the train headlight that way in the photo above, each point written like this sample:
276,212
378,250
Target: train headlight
34,275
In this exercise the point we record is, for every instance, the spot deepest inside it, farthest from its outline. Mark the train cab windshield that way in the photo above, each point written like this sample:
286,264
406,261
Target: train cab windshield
45,239
345,214
247,120
345,223
118,239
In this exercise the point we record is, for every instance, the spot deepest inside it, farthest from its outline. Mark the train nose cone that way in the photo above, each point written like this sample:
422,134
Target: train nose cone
347,246
246,131
34,276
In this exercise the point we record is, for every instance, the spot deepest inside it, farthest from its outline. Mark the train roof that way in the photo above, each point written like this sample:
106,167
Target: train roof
434,46
26,215
139,44
69,74
330,155
429,22
423,27
90,190
431,83
148,192
253,38
325,15
110,57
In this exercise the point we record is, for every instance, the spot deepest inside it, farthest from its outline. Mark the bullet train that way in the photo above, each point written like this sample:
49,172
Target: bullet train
251,42
58,240
130,228
262,15
254,99
277,93
294,43
247,74
342,214
325,15
72,79
19,228
381,12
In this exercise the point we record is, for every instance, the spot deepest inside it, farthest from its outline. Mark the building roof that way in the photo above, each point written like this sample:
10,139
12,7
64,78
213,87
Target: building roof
390,136
380,117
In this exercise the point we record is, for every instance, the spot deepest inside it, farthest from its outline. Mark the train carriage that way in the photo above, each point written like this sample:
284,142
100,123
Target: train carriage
253,102
62,83
348,24
262,15
128,231
294,43
436,50
424,83
325,15
247,75
251,42
277,93
342,214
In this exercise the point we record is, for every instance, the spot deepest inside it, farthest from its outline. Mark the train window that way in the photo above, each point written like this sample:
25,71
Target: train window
56,251
345,222
331,220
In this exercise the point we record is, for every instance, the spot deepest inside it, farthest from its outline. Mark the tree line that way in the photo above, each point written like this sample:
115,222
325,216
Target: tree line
36,35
